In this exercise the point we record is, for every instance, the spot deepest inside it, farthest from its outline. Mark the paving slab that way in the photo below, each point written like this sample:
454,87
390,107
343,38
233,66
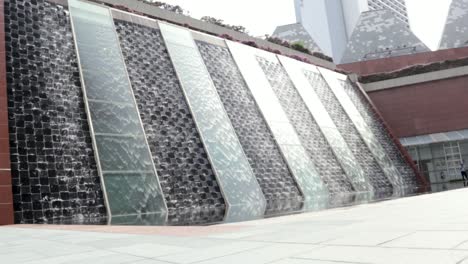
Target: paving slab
262,255
431,239
428,229
311,261
379,255
214,252
101,257
367,238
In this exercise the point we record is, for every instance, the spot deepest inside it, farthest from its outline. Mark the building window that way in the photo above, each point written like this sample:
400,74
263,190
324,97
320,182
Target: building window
440,162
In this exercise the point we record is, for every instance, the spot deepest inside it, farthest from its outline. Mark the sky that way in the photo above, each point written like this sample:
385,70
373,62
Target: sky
261,17
427,19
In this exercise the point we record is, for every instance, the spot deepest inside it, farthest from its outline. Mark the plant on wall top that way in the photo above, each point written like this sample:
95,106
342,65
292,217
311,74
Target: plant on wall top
278,41
299,46
415,69
173,8
221,23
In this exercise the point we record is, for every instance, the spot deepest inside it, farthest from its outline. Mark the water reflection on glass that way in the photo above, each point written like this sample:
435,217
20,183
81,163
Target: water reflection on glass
344,155
129,178
303,169
336,82
238,183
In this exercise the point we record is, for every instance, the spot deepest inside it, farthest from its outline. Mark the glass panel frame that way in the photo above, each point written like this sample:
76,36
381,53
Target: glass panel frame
106,87
337,143
303,169
335,82
243,195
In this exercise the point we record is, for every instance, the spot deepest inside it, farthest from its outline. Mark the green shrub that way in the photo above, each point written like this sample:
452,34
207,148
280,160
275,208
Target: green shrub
299,46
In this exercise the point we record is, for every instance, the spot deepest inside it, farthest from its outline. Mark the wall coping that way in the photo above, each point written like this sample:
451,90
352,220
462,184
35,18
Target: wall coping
422,58
198,25
415,79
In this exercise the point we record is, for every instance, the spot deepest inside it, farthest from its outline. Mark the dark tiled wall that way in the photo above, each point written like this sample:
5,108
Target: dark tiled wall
377,127
187,178
275,179
53,166
356,144
308,130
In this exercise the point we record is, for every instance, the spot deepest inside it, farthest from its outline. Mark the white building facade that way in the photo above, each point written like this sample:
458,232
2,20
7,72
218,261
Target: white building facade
331,22
398,7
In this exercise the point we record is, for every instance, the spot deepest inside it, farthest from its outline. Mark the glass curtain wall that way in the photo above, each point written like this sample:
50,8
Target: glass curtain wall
440,162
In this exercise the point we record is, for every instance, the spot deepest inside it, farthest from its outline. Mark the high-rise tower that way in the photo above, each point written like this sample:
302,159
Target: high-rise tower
398,7
331,22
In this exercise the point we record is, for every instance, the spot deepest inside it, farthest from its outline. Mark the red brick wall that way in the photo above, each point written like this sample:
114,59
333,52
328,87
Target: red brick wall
6,197
396,63
425,108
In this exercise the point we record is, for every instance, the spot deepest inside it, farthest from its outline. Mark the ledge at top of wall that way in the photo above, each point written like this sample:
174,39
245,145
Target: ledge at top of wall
151,11
414,70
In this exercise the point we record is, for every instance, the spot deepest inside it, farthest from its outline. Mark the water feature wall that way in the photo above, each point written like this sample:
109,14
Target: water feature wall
129,178
302,167
381,184
187,178
121,118
54,171
278,185
379,130
336,83
310,134
310,110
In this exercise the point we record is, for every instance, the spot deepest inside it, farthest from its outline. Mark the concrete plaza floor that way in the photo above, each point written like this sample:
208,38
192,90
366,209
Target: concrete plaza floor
423,229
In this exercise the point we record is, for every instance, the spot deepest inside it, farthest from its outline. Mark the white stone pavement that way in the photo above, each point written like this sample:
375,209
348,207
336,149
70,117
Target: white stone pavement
424,229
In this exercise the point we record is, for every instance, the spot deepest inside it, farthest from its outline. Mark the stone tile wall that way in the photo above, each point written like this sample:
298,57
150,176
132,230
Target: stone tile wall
53,169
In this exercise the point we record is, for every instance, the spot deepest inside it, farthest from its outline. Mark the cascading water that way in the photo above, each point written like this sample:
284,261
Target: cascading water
190,188
381,184
53,167
407,173
278,185
225,132
308,130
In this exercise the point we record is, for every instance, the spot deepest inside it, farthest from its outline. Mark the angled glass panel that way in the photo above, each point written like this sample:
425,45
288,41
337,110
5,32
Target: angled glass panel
129,186
268,164
129,178
302,167
123,153
110,118
337,143
335,82
238,183
285,133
